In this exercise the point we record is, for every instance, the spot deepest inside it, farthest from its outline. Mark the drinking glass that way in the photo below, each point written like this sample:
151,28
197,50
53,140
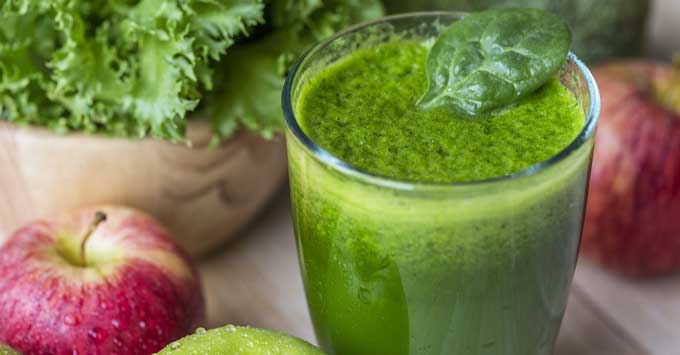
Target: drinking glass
393,267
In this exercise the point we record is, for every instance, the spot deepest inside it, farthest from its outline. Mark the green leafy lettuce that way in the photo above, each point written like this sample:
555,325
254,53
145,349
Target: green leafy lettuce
249,94
137,68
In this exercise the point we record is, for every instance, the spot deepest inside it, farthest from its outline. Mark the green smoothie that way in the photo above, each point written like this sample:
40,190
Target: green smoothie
403,249
362,110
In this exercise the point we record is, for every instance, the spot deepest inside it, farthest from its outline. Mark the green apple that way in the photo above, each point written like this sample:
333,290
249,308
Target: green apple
232,340
6,350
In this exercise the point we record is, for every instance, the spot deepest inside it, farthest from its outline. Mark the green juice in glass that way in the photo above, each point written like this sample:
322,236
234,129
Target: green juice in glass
424,232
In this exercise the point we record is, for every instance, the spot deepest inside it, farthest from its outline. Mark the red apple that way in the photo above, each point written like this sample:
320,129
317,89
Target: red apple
96,281
633,214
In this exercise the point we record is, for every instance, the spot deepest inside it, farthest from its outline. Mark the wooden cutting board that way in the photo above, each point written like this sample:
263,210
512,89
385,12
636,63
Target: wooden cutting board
256,282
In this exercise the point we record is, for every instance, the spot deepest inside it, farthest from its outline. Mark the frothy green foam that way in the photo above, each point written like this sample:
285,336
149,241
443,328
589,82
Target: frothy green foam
363,110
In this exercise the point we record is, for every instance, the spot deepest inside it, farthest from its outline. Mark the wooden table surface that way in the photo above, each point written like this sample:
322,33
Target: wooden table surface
255,281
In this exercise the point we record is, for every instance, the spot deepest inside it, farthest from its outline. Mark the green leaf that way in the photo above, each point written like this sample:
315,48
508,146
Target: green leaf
216,22
491,59
22,7
285,13
139,68
249,95
126,68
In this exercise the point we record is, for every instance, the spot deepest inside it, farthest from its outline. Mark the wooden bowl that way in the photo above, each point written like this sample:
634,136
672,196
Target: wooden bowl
202,194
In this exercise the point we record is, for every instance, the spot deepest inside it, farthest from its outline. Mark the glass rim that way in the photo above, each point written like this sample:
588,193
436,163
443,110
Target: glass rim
375,179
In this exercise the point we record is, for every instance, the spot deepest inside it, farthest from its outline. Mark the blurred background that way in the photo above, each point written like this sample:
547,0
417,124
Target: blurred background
664,29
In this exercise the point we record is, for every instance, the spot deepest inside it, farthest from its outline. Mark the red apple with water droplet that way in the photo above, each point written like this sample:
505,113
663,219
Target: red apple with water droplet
633,216
96,281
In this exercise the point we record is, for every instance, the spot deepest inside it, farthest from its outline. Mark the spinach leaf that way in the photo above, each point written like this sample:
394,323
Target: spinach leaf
491,59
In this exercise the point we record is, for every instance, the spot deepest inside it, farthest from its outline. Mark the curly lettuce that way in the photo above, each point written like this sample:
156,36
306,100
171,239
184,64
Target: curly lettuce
249,95
139,68
117,67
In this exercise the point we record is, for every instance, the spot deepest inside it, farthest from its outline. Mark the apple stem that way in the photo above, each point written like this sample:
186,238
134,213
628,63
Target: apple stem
99,217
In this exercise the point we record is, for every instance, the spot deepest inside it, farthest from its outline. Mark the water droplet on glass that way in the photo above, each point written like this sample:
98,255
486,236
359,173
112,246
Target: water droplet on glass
142,324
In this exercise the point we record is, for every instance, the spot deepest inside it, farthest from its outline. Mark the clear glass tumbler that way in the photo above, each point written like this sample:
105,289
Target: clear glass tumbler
393,267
